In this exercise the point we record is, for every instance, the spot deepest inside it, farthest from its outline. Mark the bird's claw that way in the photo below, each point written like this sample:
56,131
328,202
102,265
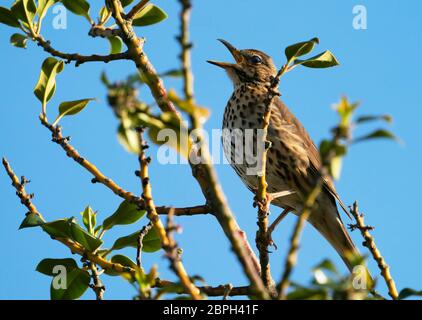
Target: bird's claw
270,242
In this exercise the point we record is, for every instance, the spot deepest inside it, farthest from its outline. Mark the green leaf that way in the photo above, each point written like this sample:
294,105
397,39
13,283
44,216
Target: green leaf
43,6
126,213
326,265
300,49
77,283
129,139
124,261
68,228
188,107
378,134
150,243
70,108
89,219
150,14
407,293
104,14
176,73
335,167
31,220
25,11
115,44
18,40
46,85
104,79
81,236
7,18
125,3
363,119
46,266
58,229
323,60
345,110
78,7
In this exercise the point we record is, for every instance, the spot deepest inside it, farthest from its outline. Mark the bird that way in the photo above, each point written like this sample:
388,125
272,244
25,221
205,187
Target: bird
293,161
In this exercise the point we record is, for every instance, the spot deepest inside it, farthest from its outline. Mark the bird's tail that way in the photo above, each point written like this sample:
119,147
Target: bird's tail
333,229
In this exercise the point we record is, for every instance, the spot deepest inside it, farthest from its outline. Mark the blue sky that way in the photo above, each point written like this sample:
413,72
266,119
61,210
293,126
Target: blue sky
379,68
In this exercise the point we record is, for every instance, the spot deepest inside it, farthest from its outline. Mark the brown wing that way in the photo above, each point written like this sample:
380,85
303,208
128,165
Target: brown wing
313,153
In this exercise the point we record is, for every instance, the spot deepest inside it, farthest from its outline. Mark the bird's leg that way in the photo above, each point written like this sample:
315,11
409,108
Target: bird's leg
275,224
271,197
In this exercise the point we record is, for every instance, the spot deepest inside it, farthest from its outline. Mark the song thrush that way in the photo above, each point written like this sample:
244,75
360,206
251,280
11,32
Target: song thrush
293,161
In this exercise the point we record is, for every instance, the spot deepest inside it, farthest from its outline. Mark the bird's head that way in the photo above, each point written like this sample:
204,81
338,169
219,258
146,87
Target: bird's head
252,66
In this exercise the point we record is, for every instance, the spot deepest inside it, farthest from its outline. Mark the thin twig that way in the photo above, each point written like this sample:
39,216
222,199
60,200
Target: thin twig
291,259
262,199
80,59
144,231
219,291
376,254
97,286
167,244
186,46
19,185
74,247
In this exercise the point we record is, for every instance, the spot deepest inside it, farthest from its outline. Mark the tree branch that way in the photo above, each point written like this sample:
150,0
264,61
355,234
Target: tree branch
141,60
144,231
167,242
80,59
376,254
97,286
19,185
186,46
209,290
291,258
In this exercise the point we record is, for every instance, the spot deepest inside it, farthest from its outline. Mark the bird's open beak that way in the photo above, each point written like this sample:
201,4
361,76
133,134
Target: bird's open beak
235,53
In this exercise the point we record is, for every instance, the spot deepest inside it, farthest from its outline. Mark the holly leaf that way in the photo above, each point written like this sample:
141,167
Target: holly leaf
407,293
19,40
377,134
320,61
300,49
32,220
89,219
126,213
77,282
150,14
115,44
150,243
43,6
46,86
47,266
7,18
78,7
70,108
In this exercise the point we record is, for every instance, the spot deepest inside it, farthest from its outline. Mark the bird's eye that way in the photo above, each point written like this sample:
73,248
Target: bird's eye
256,59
